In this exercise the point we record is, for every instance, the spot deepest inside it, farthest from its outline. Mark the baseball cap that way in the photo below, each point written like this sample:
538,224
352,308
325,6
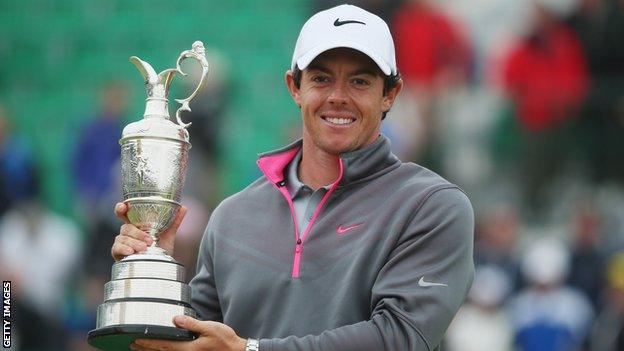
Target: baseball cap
346,26
546,261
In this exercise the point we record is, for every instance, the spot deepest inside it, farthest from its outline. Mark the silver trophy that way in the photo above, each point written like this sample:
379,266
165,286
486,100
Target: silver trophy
147,289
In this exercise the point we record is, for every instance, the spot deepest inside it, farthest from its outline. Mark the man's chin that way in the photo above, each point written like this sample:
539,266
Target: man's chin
337,148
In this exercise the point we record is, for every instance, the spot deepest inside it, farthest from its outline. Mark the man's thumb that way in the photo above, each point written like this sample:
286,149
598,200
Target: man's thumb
188,323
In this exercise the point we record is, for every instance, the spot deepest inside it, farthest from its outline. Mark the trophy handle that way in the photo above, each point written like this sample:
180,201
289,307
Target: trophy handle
199,53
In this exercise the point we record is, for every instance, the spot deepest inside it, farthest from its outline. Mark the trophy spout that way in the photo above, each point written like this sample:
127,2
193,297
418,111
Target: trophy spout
157,87
147,71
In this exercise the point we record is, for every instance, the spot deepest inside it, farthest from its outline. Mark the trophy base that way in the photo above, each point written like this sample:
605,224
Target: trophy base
119,337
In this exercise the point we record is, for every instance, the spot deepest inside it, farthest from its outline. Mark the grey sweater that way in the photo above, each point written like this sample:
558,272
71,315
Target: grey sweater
384,264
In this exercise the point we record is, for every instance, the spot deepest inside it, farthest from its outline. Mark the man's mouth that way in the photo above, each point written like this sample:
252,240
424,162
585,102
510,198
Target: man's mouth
339,121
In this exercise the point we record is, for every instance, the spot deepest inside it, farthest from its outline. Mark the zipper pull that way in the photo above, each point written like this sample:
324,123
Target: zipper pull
299,246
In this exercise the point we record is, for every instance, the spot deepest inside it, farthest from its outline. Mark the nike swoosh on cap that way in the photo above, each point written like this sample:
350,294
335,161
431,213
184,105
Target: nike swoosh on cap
425,284
340,230
339,23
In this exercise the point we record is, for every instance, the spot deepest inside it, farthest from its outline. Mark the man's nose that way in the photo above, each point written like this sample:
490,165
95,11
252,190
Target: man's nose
338,94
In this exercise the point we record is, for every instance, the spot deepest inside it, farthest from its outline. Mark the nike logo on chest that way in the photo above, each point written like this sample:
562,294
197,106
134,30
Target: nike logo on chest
342,230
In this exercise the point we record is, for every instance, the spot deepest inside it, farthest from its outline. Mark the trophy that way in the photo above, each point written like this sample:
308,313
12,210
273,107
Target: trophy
147,289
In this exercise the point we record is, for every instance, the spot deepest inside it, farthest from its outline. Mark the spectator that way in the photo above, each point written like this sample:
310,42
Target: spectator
481,324
16,165
38,253
587,259
434,59
545,75
547,315
600,27
431,51
96,173
496,242
97,154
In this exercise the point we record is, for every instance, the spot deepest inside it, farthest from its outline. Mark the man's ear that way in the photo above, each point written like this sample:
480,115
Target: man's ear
292,87
390,97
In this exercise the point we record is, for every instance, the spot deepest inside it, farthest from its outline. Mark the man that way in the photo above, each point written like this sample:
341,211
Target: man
381,257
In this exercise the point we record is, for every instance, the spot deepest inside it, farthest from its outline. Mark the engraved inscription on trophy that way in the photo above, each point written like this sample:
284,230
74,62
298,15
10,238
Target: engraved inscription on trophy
147,289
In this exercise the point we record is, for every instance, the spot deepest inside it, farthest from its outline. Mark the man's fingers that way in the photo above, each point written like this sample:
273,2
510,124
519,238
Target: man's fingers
136,347
131,231
130,240
152,344
125,246
136,244
121,211
119,251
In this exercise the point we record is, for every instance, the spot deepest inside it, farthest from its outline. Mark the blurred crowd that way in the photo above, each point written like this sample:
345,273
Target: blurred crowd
521,103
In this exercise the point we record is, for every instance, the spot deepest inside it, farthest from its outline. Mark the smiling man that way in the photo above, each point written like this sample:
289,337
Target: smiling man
340,245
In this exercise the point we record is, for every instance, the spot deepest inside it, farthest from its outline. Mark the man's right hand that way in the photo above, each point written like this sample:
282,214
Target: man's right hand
132,240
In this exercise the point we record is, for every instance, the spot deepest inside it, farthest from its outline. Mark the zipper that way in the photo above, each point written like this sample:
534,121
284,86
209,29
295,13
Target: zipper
297,259
299,240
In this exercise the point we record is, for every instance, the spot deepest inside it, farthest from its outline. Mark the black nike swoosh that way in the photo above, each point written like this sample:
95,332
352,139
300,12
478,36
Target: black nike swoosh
338,22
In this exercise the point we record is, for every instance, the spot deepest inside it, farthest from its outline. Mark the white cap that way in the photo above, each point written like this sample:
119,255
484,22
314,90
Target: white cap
546,261
346,26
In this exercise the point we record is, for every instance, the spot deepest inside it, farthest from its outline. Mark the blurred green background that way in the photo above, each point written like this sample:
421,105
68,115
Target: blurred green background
56,55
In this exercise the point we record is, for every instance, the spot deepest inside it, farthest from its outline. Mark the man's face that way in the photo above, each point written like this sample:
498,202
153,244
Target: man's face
342,101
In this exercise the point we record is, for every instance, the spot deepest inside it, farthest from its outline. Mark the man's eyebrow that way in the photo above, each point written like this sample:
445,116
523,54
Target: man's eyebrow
368,71
315,66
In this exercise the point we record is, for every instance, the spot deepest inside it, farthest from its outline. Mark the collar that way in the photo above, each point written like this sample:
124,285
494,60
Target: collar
292,178
359,165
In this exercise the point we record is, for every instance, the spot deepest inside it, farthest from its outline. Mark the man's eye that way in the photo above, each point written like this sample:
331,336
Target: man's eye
360,81
320,79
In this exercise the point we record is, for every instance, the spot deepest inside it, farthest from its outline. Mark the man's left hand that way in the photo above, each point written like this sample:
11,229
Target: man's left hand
212,336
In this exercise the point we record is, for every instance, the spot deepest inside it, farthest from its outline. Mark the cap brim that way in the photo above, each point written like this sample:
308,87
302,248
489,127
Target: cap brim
309,56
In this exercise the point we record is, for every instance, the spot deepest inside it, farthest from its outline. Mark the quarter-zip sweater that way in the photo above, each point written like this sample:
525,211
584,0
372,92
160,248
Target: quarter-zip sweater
384,264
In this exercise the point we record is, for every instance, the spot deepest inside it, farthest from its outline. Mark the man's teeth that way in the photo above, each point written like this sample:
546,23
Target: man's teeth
339,120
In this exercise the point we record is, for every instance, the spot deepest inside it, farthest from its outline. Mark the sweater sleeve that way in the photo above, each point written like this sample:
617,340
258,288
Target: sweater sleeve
204,298
419,289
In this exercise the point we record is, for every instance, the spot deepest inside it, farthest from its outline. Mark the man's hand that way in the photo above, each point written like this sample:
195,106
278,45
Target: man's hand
132,240
212,336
